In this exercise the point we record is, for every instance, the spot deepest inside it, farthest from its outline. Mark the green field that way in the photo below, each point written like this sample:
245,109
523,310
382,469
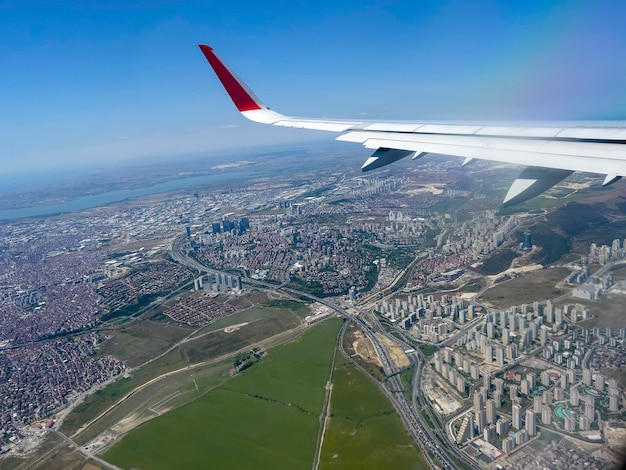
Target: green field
364,430
264,322
259,313
159,397
141,341
96,403
266,417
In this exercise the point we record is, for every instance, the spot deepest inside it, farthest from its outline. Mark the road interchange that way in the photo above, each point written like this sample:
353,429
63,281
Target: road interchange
430,441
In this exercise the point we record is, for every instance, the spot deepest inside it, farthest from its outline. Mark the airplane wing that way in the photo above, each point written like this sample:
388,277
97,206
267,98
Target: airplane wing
550,153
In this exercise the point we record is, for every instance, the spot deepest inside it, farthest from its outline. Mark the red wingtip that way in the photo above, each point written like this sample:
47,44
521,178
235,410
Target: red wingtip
236,89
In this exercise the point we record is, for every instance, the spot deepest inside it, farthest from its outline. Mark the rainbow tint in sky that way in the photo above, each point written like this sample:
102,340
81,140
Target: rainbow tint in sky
107,81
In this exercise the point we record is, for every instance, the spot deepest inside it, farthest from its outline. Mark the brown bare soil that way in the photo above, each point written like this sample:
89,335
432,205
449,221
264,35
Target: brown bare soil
537,285
372,366
397,354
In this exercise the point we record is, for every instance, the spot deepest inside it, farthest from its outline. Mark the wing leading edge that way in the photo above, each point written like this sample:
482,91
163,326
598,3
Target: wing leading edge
551,153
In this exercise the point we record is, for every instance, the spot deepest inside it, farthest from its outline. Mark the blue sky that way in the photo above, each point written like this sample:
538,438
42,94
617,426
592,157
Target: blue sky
87,82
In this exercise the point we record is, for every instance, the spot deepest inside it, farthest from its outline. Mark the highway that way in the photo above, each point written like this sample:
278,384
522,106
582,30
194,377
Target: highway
428,441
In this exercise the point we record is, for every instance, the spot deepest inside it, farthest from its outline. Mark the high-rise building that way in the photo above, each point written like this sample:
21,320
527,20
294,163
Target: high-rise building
584,423
244,224
489,433
521,437
537,404
524,387
590,408
491,411
532,379
470,426
511,351
462,435
474,371
547,397
528,244
502,427
516,414
481,420
522,326
546,415
530,425
544,335
587,376
500,356
458,359
559,394
483,391
545,378
228,225
497,399
478,401
548,312
512,323
599,383
460,383
570,424
470,312
558,316
564,380
488,353
571,375
574,398
508,444
506,336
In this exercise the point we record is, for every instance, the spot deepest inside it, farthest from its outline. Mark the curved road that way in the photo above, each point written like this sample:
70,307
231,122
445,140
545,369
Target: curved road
392,387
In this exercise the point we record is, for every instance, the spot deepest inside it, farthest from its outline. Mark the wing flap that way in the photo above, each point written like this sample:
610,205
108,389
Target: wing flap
383,157
532,182
577,156
564,162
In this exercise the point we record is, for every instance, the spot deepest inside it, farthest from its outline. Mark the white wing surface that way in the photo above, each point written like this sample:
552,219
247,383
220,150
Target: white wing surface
551,153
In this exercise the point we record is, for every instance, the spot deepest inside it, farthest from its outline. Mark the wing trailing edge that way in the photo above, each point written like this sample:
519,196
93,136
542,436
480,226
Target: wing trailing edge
551,152
532,182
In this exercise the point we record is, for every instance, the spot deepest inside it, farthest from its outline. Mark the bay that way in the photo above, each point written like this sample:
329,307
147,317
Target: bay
103,199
